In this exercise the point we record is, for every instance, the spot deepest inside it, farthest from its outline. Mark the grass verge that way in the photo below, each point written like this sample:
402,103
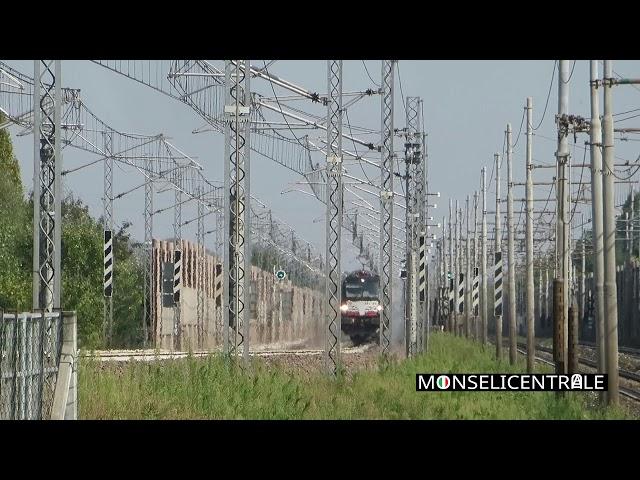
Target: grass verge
210,388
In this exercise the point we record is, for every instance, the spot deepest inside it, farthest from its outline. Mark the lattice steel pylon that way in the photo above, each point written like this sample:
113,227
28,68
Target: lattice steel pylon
386,205
334,217
149,297
415,193
200,263
109,249
237,204
219,309
177,246
47,185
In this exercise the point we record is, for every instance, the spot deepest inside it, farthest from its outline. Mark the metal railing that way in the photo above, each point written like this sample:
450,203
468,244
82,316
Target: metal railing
31,347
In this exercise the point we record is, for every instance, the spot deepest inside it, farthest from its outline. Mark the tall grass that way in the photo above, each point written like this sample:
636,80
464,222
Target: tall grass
211,388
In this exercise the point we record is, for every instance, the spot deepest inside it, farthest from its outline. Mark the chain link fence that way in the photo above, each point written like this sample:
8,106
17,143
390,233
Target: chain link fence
30,348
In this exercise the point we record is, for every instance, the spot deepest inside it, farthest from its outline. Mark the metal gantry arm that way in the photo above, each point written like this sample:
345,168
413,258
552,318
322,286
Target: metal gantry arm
197,83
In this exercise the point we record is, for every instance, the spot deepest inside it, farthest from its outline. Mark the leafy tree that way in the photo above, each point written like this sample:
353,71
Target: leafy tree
15,278
82,261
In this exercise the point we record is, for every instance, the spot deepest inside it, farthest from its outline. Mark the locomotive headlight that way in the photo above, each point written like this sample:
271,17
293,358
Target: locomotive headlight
379,308
343,308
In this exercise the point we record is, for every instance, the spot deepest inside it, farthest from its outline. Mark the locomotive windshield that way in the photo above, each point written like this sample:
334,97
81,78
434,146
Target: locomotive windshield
360,289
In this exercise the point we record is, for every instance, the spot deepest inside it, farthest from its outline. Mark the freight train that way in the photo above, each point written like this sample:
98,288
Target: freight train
361,306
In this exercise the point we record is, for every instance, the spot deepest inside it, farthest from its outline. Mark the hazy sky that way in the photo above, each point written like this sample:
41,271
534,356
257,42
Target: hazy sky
466,104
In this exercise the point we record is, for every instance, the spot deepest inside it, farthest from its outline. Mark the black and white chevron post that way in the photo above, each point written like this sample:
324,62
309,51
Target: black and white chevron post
475,292
218,285
422,281
461,293
108,264
177,275
497,285
451,292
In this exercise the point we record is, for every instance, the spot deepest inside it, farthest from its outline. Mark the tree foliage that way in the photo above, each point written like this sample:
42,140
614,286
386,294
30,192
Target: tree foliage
82,261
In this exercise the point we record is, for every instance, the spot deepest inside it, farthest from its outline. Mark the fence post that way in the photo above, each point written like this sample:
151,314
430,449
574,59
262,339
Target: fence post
65,405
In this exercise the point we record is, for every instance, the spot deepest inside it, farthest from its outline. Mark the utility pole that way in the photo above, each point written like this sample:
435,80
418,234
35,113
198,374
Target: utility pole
149,297
451,281
109,241
177,257
334,216
609,224
467,283
445,271
237,194
511,254
386,206
529,243
415,171
497,279
460,277
582,279
540,293
546,295
47,185
483,262
595,143
631,215
562,205
476,278
200,262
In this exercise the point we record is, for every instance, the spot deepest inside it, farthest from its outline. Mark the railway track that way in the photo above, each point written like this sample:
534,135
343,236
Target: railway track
627,350
151,355
626,392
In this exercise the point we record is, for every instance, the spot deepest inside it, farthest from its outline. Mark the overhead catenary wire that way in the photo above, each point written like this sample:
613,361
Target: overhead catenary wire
401,90
571,74
368,75
546,103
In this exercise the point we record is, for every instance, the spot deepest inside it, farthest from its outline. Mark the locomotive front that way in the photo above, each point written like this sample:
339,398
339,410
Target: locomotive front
361,306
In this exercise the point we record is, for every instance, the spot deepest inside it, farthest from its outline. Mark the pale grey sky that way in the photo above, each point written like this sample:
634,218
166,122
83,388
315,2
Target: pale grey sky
466,104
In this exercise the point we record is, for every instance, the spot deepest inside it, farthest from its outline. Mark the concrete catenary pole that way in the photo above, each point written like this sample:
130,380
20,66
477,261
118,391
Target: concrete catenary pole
451,281
467,282
511,254
529,243
460,304
562,203
498,265
476,279
483,263
595,141
609,231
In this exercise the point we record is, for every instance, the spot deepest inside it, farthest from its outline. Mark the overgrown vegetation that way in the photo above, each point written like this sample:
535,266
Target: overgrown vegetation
210,388
82,239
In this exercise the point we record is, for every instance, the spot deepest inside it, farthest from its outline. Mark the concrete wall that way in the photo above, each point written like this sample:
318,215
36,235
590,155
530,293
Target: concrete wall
280,311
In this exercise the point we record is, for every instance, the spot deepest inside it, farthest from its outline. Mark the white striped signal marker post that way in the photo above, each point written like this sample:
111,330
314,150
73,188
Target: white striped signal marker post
422,281
475,292
497,282
177,275
451,290
108,264
461,294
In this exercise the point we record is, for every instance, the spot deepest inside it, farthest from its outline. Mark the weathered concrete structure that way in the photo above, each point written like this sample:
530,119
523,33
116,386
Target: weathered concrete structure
280,310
